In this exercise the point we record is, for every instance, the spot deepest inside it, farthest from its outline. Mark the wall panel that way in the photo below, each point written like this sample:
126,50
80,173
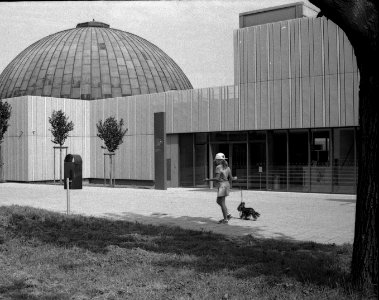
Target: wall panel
277,104
284,49
306,102
238,106
333,54
334,109
272,84
264,52
251,112
327,99
317,47
195,111
310,50
286,104
305,44
276,50
342,95
349,98
216,95
265,115
319,109
251,54
312,112
293,99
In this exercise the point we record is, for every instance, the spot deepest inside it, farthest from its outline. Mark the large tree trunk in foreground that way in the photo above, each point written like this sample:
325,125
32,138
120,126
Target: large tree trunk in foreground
2,179
360,21
365,252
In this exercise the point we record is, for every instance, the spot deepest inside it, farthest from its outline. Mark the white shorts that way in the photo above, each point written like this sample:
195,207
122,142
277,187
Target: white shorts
223,189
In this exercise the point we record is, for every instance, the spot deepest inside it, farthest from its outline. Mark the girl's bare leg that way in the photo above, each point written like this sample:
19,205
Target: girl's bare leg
221,202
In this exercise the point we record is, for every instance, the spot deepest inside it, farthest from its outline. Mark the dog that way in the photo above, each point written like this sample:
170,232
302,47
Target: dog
247,212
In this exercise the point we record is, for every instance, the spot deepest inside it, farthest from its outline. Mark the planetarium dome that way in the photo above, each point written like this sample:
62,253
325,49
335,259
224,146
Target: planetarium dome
91,61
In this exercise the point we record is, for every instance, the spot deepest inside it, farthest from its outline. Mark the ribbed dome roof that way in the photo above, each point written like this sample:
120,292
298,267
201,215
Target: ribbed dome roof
89,62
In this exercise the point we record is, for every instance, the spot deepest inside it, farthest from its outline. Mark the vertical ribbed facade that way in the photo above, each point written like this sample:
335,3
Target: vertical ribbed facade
299,73
15,147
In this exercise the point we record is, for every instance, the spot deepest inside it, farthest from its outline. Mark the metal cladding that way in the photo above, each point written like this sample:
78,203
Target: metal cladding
91,61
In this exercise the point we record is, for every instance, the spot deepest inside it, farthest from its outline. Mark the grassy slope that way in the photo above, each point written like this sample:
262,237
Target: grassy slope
45,255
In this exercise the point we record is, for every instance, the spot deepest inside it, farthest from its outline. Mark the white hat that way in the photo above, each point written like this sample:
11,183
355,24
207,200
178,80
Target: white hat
220,156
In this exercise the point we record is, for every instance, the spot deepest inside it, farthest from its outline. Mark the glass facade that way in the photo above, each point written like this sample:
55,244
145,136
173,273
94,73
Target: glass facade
304,160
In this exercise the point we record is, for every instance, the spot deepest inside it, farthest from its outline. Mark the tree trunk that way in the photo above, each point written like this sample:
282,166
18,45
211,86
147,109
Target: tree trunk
359,19
2,179
60,164
364,269
110,170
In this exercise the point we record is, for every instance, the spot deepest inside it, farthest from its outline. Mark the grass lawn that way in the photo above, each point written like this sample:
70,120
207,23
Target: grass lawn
46,255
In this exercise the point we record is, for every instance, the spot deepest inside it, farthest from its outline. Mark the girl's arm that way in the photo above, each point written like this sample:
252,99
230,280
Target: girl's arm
211,179
217,178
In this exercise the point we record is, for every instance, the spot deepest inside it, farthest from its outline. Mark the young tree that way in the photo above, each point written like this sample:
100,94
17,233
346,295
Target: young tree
5,114
359,19
60,127
112,134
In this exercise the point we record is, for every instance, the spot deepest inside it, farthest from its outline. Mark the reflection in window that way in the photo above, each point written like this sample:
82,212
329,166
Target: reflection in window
320,148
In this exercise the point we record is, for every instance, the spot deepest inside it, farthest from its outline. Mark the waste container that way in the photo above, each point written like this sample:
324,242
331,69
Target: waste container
276,182
73,171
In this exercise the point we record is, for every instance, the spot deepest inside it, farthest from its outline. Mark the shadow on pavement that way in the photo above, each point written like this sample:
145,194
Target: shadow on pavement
234,228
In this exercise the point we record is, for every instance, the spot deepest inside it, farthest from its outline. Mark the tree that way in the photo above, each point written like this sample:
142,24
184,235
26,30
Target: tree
359,19
60,127
112,134
5,114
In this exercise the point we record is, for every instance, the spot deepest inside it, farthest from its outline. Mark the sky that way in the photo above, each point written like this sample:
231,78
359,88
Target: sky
197,35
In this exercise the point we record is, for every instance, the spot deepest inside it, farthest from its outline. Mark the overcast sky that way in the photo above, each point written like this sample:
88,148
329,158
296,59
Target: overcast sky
197,35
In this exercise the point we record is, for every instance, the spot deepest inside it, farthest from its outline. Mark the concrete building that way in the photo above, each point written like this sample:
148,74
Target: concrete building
289,122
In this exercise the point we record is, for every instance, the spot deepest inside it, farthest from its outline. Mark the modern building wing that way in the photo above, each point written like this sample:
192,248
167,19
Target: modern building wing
289,122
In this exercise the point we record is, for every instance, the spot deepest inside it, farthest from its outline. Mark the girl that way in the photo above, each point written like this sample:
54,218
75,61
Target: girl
224,179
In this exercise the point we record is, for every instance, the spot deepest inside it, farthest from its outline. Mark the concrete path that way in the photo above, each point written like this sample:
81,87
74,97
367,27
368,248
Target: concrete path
323,218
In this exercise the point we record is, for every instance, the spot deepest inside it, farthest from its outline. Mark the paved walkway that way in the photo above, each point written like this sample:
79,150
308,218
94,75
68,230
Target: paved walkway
323,218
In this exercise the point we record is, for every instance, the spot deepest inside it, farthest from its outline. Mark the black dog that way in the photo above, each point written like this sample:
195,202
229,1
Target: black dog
247,212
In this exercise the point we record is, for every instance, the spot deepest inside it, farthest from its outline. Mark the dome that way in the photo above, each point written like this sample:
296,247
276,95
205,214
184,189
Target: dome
91,61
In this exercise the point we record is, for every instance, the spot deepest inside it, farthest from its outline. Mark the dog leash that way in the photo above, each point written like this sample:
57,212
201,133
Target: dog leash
241,193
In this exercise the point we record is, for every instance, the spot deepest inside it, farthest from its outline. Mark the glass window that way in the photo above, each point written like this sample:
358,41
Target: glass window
219,137
277,160
237,136
257,136
228,136
201,164
344,164
201,138
320,175
298,161
320,148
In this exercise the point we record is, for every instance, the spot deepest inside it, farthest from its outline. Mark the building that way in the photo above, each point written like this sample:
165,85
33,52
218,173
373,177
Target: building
288,123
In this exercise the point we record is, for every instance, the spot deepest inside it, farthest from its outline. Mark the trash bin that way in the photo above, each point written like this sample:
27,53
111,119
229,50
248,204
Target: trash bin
73,171
276,182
